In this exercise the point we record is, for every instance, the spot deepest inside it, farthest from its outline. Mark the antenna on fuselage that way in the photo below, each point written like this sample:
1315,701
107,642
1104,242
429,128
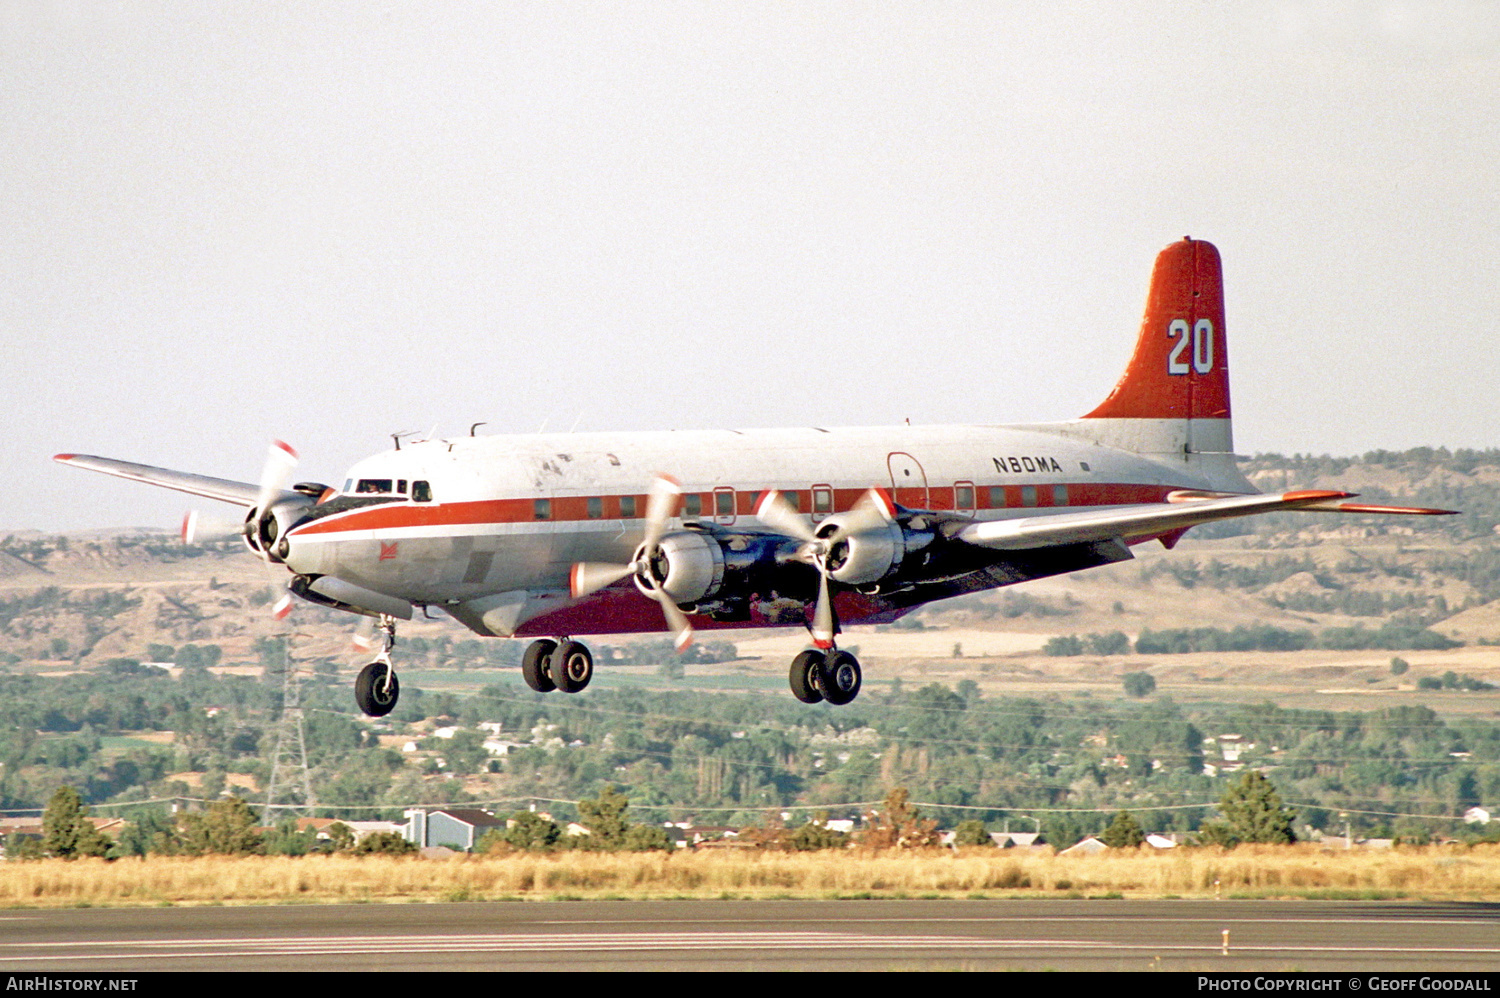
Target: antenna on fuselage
396,437
475,426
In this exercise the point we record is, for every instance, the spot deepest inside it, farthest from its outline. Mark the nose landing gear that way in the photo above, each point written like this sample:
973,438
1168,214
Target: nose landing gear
376,688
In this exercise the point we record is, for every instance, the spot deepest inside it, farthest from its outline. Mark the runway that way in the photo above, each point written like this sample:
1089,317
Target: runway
762,935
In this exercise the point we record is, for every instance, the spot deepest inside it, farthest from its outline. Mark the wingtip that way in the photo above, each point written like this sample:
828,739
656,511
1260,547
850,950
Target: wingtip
64,458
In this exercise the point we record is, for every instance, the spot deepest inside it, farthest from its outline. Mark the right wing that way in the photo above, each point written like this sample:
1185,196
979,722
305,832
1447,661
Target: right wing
1136,522
239,493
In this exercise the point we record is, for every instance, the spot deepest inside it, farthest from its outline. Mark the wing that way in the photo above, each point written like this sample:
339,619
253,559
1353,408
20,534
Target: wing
1183,510
239,493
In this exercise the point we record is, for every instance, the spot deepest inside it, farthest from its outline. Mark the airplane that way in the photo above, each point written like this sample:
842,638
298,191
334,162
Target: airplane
558,536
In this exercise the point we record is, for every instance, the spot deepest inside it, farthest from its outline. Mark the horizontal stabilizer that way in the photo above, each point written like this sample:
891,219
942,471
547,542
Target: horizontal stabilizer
1362,507
239,493
1132,522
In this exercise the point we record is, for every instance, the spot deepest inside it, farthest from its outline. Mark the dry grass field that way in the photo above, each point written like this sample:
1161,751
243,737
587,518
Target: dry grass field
1429,873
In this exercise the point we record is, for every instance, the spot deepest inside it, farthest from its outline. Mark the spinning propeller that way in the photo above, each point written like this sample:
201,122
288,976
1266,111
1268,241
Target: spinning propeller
590,577
826,546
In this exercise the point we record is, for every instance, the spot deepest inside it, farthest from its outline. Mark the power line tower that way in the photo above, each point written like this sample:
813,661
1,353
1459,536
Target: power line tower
290,778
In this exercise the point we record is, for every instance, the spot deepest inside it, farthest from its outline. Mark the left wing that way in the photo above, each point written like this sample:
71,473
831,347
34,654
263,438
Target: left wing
1183,510
239,493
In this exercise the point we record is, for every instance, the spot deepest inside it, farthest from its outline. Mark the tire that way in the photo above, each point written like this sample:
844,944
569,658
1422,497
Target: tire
840,678
571,666
534,665
803,676
372,693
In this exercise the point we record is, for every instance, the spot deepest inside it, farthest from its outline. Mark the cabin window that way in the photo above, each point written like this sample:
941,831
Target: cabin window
822,500
963,497
1028,495
723,503
692,504
421,492
541,509
627,508
794,499
374,486
595,507
997,497
1059,495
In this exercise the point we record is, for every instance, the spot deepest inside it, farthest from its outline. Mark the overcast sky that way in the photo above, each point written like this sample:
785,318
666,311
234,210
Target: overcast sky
223,223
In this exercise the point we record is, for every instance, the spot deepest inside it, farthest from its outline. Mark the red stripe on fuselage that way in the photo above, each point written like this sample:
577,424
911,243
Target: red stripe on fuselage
575,509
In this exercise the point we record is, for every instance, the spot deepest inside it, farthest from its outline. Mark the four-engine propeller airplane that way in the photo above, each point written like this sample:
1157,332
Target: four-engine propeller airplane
557,536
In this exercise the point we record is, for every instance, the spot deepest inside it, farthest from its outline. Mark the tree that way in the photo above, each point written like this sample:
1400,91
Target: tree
1124,832
384,843
227,828
604,817
972,833
530,831
1253,812
1139,684
67,831
898,825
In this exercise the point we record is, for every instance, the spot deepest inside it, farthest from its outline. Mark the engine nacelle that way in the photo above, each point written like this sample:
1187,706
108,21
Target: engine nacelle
265,529
687,566
865,557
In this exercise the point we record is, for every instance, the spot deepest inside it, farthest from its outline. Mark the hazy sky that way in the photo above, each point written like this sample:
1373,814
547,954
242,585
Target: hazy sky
223,223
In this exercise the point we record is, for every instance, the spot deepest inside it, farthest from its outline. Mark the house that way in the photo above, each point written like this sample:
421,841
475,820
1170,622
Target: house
1088,847
1477,816
456,827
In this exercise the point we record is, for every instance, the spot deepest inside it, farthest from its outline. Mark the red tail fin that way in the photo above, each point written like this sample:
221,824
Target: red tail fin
1180,368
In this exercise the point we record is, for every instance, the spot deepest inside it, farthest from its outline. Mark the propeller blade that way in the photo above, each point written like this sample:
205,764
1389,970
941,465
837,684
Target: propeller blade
677,622
777,513
824,626
661,506
282,607
873,509
363,639
198,529
589,577
276,475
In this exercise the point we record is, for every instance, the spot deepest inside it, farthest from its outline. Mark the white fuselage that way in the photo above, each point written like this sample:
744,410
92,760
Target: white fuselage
512,515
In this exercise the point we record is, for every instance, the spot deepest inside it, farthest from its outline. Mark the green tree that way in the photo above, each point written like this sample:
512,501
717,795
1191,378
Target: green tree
384,843
226,828
67,831
1124,832
972,833
1139,684
604,817
1253,812
530,831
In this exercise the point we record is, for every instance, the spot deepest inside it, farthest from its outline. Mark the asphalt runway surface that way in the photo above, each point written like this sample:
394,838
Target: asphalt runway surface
1111,935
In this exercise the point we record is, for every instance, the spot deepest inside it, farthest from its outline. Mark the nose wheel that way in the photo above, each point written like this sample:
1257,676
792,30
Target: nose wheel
376,688
549,665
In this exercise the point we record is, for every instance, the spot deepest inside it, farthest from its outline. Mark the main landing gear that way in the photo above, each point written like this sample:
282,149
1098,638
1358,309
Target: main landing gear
833,675
376,689
549,665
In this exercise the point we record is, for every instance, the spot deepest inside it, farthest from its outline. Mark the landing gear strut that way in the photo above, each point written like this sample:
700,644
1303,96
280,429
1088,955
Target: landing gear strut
834,676
376,689
549,665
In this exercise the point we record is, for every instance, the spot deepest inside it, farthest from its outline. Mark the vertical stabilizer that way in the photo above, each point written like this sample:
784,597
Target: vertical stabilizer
1173,398
1180,368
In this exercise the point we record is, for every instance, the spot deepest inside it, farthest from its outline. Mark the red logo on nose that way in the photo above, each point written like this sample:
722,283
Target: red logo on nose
388,551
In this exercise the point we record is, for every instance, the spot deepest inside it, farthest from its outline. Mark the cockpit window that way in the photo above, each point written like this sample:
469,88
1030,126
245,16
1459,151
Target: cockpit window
374,486
421,492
